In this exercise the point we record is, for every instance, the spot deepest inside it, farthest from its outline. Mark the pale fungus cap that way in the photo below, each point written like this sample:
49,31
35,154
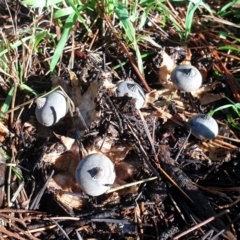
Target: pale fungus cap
203,126
95,174
186,77
131,89
51,108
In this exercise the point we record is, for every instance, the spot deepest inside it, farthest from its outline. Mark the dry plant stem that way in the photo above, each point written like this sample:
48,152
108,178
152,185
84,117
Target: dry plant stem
26,233
224,144
131,184
148,133
9,178
219,189
145,156
155,155
93,39
72,58
10,234
200,224
20,105
178,209
231,139
40,229
2,179
70,102
200,202
16,194
232,82
37,199
184,143
13,103
209,233
231,204
61,229
127,53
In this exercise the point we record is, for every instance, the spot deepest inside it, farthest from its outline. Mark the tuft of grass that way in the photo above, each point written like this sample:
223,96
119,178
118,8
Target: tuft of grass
126,22
227,9
41,3
72,10
61,44
229,114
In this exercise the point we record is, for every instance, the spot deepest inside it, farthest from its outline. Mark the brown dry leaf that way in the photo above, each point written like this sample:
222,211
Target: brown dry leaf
67,162
66,141
85,102
58,81
188,57
151,97
203,72
3,132
214,153
168,96
205,97
166,68
67,183
125,170
103,144
118,153
51,157
73,78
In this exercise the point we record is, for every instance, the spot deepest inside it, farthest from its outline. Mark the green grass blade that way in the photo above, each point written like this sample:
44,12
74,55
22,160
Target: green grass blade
29,89
189,18
41,3
63,12
229,47
5,107
15,45
220,108
222,11
77,12
61,44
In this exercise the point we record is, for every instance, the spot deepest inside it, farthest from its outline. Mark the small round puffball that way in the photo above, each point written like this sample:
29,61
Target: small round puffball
51,108
131,89
95,174
203,126
186,77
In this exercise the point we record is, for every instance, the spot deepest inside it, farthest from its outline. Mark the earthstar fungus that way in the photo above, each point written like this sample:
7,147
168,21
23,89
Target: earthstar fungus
203,126
95,174
51,108
131,89
186,77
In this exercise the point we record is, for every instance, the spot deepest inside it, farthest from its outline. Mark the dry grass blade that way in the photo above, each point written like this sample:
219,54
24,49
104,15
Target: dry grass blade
232,82
200,224
10,234
131,184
